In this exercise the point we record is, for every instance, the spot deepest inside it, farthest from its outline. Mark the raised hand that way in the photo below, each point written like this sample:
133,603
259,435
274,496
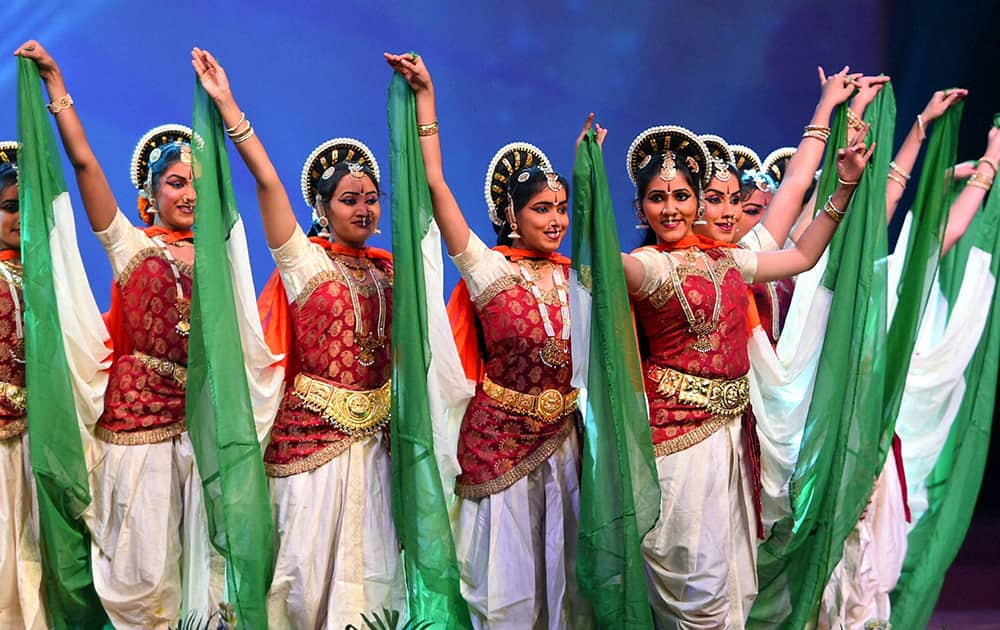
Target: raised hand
868,88
941,101
599,131
963,170
852,160
838,87
210,74
47,67
412,67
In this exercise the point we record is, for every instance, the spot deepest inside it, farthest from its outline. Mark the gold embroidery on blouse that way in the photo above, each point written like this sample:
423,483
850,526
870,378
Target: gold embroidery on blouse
145,253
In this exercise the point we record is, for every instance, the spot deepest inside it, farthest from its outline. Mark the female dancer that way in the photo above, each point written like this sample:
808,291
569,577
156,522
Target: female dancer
691,304
145,485
21,602
329,311
518,446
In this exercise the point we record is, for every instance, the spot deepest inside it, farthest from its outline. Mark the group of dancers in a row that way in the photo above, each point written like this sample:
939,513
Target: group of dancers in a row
718,220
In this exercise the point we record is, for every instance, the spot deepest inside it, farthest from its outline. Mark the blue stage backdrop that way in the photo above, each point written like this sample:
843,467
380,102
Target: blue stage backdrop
522,70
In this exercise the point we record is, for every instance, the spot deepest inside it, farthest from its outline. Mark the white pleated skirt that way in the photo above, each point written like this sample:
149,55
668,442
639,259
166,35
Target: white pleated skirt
701,556
152,558
338,556
21,599
517,549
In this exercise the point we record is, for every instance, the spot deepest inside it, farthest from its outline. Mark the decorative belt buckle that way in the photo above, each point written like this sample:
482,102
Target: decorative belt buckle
359,405
550,405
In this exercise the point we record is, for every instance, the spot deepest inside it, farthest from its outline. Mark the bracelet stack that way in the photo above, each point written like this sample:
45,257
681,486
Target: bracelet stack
898,175
980,181
241,131
427,129
854,121
61,104
816,131
832,211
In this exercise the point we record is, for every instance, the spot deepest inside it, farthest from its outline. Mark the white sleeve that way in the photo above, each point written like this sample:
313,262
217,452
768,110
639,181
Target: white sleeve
656,268
298,261
480,266
759,240
746,261
122,241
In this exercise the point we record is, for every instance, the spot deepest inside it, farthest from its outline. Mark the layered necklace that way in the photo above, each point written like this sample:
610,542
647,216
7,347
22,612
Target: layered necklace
697,326
181,302
13,275
555,353
366,342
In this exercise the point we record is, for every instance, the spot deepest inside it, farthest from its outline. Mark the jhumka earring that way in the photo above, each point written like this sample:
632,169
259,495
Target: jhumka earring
510,218
324,223
700,217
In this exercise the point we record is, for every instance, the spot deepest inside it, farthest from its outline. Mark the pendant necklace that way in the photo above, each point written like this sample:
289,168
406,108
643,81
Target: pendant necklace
181,303
366,342
555,353
698,327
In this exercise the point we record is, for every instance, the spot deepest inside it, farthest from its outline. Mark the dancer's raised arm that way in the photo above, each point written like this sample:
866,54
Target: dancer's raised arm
277,216
901,167
786,206
447,213
98,200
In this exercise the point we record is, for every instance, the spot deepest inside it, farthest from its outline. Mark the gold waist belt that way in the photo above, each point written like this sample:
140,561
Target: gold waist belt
16,396
163,367
717,396
548,406
353,412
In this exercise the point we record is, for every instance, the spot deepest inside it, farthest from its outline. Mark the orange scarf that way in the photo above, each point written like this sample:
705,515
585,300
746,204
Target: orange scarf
274,312
462,315
8,254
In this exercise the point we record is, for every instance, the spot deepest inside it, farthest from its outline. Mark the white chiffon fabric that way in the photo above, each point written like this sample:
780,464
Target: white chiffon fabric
701,556
517,549
935,384
152,557
21,597
338,556
781,386
859,588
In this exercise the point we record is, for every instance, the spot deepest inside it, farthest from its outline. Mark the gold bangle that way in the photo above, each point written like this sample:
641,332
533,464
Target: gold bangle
817,135
978,184
243,137
60,104
988,161
844,182
232,130
240,129
831,210
428,129
977,179
896,178
922,126
898,170
821,128
854,121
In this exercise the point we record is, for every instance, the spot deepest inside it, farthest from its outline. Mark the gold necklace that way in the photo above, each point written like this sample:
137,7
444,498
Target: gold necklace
181,303
366,342
697,326
555,353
